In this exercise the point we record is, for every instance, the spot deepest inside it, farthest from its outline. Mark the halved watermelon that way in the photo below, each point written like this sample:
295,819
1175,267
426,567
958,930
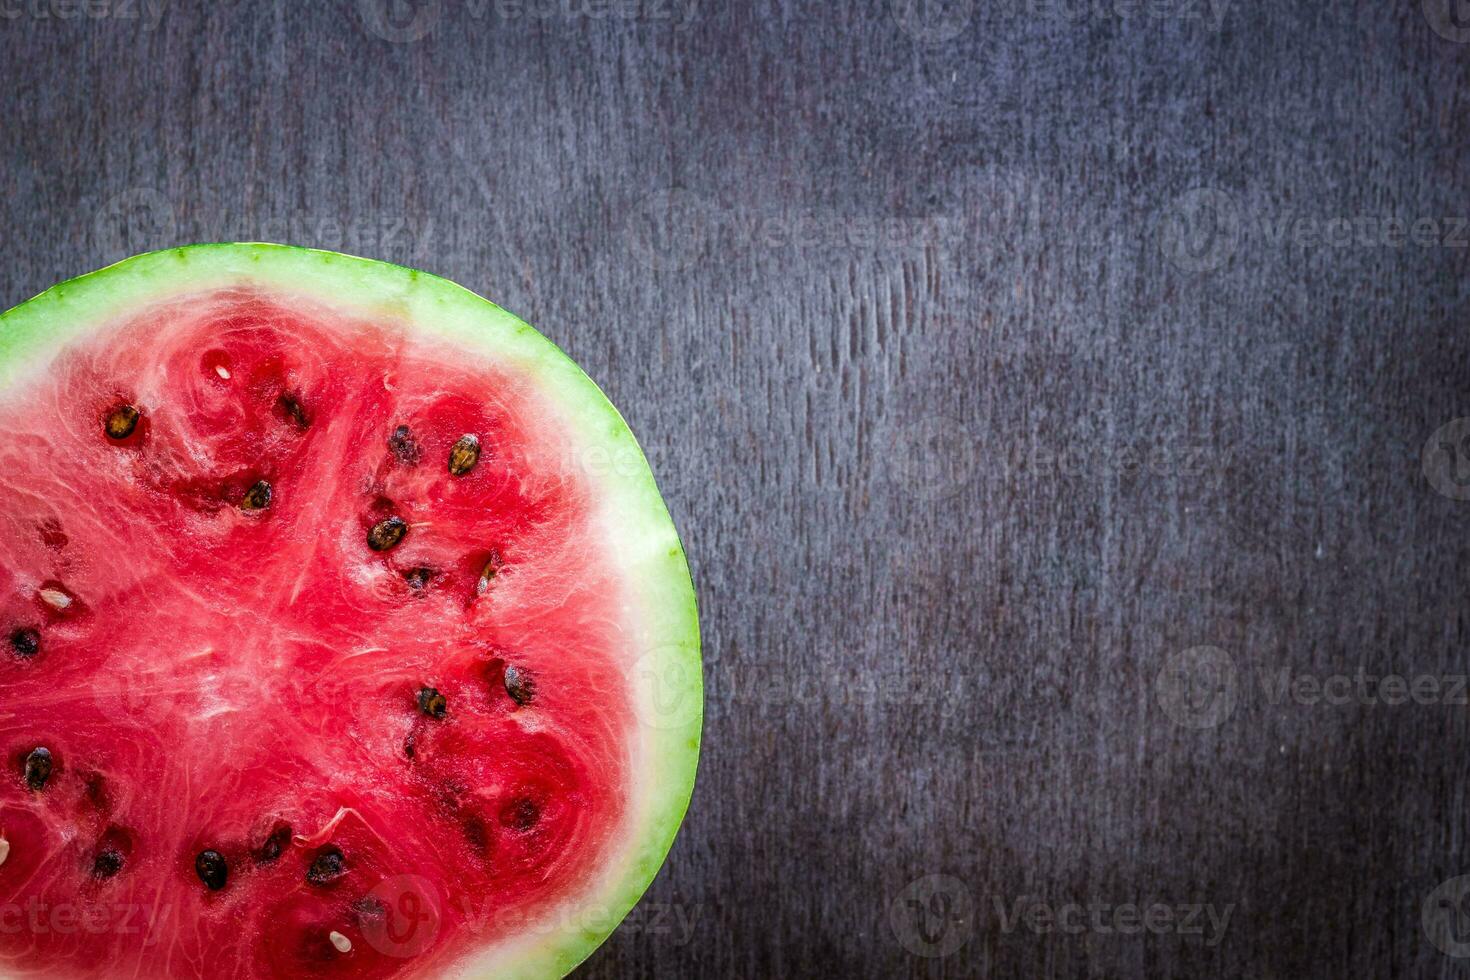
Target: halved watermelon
345,631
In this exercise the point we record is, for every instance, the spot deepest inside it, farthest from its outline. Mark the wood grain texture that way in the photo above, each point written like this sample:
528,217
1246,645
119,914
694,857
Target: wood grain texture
988,370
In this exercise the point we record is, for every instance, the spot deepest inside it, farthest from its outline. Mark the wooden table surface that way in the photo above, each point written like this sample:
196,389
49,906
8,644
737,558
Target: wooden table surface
1043,390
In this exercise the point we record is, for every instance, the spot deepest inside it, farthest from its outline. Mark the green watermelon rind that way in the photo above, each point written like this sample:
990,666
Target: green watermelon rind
651,556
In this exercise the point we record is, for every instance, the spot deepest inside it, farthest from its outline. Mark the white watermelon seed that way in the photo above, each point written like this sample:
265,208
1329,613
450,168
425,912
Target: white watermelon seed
222,371
4,849
55,598
343,944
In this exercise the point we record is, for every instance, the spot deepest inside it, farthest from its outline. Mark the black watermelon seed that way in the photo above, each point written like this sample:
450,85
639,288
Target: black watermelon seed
121,422
328,866
275,844
291,406
418,578
212,870
404,448
107,863
96,788
475,832
25,641
464,454
38,767
432,703
257,497
386,534
408,746
519,686
523,814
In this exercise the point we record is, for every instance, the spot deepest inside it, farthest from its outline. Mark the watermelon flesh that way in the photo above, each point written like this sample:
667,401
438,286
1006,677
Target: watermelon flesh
323,632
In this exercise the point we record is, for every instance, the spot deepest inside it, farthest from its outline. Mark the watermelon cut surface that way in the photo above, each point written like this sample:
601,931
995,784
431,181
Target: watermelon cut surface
346,633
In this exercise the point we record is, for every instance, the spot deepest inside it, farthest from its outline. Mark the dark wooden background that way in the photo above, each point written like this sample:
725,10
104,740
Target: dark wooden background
988,370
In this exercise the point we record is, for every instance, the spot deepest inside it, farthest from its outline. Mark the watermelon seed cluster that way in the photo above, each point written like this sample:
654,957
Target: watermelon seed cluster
329,863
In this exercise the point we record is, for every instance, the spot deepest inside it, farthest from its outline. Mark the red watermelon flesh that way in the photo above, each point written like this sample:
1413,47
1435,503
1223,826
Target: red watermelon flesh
327,688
